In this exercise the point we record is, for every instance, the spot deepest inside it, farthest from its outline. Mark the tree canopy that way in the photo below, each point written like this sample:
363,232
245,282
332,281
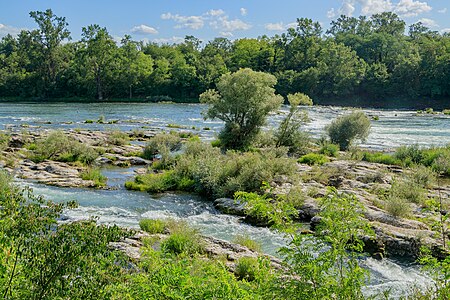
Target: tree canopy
242,100
370,61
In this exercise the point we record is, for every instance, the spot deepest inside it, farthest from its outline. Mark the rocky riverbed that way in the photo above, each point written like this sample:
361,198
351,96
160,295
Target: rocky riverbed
395,236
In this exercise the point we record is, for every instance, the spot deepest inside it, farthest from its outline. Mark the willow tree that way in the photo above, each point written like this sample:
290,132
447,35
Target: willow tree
242,100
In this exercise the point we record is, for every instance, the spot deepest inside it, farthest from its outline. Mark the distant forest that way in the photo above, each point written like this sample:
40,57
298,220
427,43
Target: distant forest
367,61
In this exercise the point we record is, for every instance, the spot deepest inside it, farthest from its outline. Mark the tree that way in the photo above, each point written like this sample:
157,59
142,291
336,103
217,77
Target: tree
47,40
345,129
98,55
242,100
327,267
288,133
135,66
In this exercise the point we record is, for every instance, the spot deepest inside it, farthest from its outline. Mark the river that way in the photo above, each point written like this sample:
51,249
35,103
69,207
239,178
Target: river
392,129
126,208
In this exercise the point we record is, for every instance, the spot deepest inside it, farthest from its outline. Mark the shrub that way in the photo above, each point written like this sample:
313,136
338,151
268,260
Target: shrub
162,144
381,158
183,240
4,140
153,182
288,133
246,241
60,147
117,137
152,226
242,100
398,207
407,190
345,129
423,176
95,175
329,150
160,182
313,159
247,268
446,112
409,155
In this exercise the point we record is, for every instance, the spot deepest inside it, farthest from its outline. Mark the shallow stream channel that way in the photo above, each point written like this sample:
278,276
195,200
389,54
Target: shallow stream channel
119,206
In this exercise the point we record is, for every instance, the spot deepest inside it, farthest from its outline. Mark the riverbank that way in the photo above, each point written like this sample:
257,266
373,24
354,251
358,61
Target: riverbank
401,103
369,182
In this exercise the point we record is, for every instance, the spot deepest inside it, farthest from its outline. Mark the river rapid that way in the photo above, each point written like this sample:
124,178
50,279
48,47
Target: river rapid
126,208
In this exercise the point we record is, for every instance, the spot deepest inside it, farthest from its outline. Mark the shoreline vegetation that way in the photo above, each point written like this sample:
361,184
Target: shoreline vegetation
360,62
357,202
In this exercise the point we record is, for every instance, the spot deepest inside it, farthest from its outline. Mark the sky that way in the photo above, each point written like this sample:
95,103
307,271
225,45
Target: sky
169,21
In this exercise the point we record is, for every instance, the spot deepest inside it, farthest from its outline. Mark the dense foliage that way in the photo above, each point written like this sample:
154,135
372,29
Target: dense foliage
41,259
367,58
243,100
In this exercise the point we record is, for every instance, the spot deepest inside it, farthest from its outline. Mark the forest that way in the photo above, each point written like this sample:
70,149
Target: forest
366,61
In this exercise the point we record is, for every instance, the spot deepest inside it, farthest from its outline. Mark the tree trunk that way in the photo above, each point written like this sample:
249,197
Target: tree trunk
99,87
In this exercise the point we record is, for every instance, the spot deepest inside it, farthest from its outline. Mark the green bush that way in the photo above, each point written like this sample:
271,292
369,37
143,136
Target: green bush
398,207
446,112
288,133
381,158
60,147
345,129
423,176
95,175
246,241
4,140
183,240
152,226
313,159
118,138
40,256
409,155
247,268
329,150
164,145
160,182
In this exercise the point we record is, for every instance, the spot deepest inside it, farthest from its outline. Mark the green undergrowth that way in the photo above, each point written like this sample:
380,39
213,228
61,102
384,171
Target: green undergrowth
313,159
436,158
58,146
206,170
95,175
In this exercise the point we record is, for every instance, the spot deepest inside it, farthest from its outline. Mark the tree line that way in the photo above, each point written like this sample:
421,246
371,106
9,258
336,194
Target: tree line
368,60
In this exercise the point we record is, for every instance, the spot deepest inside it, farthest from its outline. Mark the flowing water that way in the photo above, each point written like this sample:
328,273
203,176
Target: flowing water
392,129
126,208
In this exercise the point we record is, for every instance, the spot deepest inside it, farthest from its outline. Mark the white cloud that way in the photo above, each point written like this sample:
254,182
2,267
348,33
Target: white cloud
445,30
275,26
429,22
192,22
216,18
370,7
442,11
226,34
404,8
280,26
215,12
411,8
243,11
226,25
144,29
172,40
6,29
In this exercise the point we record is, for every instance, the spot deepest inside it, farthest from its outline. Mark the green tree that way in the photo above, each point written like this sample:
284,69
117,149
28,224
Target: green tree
242,100
328,268
98,56
345,129
47,41
135,66
288,133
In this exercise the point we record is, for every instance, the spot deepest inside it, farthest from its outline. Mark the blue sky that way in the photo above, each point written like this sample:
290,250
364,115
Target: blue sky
171,20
